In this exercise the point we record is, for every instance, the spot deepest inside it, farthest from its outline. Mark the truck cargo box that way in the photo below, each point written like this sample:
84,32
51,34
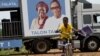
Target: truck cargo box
31,25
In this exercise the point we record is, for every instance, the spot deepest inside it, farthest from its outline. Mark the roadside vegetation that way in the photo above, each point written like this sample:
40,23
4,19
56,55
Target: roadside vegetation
8,52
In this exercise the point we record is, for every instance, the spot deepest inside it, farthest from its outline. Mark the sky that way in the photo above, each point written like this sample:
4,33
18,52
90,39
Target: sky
94,1
4,15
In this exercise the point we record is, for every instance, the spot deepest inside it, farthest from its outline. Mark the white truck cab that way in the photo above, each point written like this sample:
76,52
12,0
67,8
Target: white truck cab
88,13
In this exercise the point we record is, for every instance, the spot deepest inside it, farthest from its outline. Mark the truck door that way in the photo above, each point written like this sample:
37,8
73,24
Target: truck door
96,23
93,20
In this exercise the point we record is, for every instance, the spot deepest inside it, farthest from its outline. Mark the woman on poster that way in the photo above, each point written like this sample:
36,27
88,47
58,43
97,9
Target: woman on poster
42,9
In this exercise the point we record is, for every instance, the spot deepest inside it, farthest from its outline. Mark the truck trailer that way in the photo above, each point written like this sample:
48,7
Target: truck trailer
17,16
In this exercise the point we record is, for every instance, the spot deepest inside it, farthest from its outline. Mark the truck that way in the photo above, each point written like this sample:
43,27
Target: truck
17,16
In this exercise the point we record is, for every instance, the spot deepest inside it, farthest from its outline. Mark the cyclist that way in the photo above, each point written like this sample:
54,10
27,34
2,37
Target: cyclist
65,29
66,32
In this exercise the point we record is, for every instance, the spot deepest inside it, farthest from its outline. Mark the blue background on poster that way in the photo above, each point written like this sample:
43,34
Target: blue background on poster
32,13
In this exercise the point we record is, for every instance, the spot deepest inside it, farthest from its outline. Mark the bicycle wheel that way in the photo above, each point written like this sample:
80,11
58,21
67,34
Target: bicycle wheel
66,50
70,50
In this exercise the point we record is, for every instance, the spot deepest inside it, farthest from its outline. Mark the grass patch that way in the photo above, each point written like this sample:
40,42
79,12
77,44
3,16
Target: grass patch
9,52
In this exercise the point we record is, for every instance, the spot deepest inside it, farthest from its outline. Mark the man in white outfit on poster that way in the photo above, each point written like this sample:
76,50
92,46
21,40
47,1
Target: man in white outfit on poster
53,22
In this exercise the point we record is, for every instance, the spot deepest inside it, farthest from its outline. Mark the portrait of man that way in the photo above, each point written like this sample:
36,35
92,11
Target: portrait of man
56,19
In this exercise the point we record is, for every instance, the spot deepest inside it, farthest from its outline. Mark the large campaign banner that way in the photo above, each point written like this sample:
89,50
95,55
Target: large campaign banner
43,17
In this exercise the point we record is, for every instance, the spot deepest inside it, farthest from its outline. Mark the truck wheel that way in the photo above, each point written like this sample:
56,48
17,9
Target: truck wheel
92,44
40,46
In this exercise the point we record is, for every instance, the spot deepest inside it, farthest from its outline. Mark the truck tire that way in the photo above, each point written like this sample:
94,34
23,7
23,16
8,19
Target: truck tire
92,44
40,46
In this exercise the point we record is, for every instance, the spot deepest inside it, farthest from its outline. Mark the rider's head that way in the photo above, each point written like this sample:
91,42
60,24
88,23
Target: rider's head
65,21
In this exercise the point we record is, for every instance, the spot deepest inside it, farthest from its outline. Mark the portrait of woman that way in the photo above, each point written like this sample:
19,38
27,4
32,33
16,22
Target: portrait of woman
39,21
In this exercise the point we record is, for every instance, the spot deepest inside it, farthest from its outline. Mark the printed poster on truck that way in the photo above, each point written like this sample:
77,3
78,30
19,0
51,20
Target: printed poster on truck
43,17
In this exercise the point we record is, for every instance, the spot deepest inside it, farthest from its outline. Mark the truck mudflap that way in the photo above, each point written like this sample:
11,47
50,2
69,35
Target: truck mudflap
12,43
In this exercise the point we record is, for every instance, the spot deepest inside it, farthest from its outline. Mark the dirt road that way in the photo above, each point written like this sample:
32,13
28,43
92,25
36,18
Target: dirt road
58,53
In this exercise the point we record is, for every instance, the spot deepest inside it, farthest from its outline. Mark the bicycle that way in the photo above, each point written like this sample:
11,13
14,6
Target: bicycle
67,48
